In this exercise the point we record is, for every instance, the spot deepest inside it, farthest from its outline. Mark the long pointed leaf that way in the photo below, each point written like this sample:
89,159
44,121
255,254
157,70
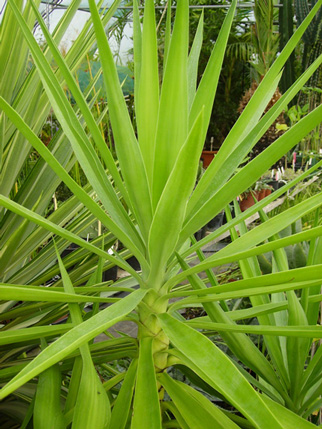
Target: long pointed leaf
213,364
73,339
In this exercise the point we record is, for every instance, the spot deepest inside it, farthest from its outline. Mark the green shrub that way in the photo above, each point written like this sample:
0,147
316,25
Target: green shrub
154,208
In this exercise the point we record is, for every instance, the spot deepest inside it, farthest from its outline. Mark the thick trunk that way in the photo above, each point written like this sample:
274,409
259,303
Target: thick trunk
149,326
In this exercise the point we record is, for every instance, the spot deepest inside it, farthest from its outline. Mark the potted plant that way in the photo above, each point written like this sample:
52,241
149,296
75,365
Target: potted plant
257,192
208,155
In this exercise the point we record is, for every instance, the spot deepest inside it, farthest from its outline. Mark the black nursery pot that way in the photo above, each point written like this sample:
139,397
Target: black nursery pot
217,221
274,184
201,233
110,274
134,263
298,166
69,250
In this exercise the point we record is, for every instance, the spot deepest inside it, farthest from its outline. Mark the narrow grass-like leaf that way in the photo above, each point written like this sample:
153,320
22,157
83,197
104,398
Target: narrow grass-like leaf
247,292
81,102
74,187
127,148
147,102
121,409
137,48
19,292
288,331
213,364
255,107
11,245
193,61
215,177
74,339
208,85
212,262
257,311
84,150
174,410
28,214
173,104
168,31
288,419
250,173
252,210
240,345
170,211
2,134
14,336
282,278
273,225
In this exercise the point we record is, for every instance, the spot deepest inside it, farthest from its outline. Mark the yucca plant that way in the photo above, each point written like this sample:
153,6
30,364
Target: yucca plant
33,187
153,206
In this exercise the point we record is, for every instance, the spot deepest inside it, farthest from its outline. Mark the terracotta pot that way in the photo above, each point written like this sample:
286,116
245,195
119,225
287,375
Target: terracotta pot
248,201
207,156
261,195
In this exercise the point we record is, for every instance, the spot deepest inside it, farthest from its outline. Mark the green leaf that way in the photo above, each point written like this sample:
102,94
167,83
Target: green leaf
212,261
2,135
247,292
250,173
302,331
215,367
83,149
13,336
126,145
73,385
272,226
62,232
193,61
91,393
80,99
47,406
170,211
92,409
147,95
74,339
198,412
121,409
172,128
38,293
9,249
299,275
207,88
242,346
288,419
254,209
168,31
74,187
146,408
137,48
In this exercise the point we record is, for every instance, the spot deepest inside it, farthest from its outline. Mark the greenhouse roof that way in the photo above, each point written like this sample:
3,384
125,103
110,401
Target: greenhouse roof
83,5
124,5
